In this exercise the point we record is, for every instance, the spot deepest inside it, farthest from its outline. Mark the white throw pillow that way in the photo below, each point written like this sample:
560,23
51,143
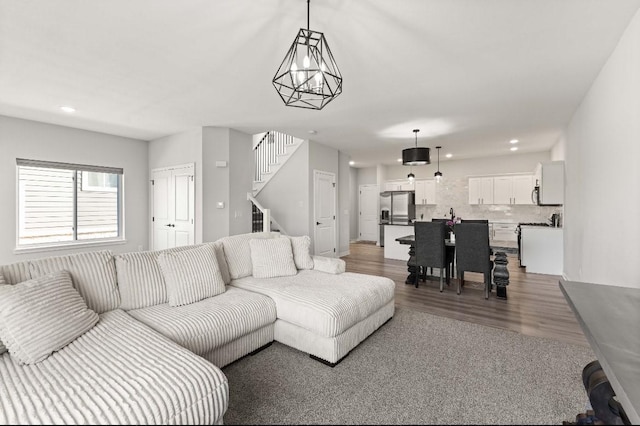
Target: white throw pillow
301,247
41,316
238,253
272,258
191,275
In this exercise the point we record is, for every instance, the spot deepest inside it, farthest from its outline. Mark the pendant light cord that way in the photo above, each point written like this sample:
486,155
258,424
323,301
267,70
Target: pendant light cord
308,7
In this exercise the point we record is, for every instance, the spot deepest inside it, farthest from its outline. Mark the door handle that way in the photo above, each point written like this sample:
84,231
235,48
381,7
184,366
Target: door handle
171,225
318,223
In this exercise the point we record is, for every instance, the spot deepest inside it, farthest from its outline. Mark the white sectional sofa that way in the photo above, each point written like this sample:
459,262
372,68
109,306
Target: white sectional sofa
166,323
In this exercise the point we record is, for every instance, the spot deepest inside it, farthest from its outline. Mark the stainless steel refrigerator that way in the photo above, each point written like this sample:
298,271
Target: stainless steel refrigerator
396,208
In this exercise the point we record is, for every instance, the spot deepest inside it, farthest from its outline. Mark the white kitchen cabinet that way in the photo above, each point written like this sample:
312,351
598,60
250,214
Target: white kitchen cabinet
512,189
425,191
401,185
503,231
481,190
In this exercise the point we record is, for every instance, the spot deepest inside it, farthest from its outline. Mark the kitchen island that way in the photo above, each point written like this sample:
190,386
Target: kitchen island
541,249
392,248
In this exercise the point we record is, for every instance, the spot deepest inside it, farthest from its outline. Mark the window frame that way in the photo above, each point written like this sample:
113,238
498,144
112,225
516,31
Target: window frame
77,169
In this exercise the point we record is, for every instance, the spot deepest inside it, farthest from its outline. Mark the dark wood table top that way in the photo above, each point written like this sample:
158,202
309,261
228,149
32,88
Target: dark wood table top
610,319
410,239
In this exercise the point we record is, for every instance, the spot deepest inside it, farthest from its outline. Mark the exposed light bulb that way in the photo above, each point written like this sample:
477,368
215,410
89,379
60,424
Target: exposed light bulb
306,62
411,177
294,67
68,109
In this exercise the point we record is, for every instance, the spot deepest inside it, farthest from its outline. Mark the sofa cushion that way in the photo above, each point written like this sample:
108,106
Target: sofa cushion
325,304
16,272
93,274
272,258
238,253
140,278
191,275
212,322
41,316
222,261
3,348
119,372
301,247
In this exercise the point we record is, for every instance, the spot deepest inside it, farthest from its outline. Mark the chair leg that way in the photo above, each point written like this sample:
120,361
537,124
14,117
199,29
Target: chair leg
487,285
441,281
460,281
417,275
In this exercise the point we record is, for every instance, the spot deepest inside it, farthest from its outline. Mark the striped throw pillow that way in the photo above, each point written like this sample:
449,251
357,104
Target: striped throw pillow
191,275
301,247
93,274
272,258
238,253
3,348
41,316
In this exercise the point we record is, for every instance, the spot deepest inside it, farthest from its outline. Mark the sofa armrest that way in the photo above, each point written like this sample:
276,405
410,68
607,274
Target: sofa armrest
329,265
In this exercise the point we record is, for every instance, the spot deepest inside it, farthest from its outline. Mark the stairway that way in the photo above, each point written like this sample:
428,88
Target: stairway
271,151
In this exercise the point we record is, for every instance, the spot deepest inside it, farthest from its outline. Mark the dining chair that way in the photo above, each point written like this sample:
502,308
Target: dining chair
474,221
473,253
450,251
430,249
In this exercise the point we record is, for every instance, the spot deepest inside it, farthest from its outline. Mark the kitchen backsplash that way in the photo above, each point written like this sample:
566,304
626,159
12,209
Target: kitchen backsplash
454,193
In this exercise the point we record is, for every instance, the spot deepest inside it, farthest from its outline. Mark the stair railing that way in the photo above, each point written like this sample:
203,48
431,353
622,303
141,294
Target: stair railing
266,151
263,217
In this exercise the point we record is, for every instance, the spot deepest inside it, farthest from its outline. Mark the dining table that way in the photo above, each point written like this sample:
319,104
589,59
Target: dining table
410,240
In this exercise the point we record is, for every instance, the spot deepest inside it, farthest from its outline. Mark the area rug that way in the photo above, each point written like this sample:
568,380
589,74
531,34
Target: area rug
416,369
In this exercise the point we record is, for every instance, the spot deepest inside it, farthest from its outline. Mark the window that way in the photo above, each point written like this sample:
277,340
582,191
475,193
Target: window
60,203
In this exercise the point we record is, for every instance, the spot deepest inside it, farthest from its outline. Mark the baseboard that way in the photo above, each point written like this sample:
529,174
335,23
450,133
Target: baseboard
344,253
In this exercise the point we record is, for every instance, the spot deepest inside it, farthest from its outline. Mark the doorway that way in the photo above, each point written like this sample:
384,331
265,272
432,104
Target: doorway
173,206
324,217
368,218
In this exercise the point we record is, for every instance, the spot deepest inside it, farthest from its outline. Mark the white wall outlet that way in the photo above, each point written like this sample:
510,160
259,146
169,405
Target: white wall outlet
221,164
220,205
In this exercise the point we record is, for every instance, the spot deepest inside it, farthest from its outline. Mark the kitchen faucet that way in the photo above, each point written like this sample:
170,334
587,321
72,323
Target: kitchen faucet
451,213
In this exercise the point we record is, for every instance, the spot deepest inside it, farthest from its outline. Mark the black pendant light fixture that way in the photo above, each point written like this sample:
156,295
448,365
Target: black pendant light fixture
438,174
308,76
411,176
415,156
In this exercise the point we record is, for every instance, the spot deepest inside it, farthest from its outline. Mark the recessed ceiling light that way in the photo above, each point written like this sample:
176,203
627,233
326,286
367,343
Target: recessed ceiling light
351,163
313,132
514,148
449,155
68,109
399,160
513,141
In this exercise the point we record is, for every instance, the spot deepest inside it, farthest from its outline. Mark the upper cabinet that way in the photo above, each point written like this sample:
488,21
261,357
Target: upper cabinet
425,191
402,185
481,190
511,189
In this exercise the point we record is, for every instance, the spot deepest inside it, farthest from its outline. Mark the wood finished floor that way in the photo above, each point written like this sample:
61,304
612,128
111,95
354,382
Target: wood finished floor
535,305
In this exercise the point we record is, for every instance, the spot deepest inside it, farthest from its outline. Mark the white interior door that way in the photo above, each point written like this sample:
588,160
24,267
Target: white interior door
324,194
368,203
173,207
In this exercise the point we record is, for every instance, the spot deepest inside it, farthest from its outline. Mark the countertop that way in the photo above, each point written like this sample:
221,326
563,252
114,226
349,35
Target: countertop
608,316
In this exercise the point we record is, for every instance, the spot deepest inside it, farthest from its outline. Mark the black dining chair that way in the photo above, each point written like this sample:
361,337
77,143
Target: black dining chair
474,221
450,251
429,249
473,253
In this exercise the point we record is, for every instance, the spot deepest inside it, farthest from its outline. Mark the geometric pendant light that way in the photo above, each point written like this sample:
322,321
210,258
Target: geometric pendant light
438,174
308,76
415,156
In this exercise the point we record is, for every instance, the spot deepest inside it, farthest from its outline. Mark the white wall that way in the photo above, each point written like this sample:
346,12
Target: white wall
602,235
344,212
287,193
354,210
240,181
39,141
215,180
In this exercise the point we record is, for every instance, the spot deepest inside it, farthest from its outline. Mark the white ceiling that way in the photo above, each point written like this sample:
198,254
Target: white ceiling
470,74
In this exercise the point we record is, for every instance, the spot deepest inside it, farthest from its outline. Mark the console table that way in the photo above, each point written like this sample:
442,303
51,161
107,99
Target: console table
610,319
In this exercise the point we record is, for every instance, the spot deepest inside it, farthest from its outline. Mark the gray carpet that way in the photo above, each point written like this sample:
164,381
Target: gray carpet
416,369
